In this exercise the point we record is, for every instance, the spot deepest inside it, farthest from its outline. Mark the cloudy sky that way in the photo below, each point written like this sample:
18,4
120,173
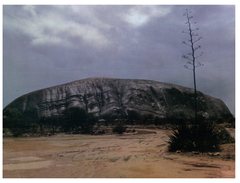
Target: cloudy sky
50,45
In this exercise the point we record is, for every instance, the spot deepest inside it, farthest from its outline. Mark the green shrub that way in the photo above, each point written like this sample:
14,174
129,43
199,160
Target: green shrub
223,135
77,120
119,129
199,137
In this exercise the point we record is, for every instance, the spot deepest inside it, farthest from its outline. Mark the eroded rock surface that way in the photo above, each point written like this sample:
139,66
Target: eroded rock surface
106,97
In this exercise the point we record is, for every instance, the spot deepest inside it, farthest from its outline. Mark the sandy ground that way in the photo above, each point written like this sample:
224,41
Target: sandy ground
142,155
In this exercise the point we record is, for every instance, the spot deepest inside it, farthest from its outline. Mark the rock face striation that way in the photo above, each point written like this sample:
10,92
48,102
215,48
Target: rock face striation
115,98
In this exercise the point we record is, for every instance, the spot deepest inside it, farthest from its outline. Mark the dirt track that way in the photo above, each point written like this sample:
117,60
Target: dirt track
129,155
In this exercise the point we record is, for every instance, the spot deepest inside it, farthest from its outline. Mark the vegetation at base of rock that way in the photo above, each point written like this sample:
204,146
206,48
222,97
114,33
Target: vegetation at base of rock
17,123
74,120
78,121
194,137
204,136
223,135
119,128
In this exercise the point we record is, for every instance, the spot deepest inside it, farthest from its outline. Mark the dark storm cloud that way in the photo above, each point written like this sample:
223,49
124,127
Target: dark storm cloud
50,45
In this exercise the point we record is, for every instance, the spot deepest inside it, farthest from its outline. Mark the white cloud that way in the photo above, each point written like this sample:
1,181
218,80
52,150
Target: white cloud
50,40
140,15
88,34
30,9
137,18
53,28
88,13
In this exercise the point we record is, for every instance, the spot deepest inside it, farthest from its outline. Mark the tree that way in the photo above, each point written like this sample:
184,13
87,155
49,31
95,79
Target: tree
78,120
193,43
19,122
13,120
200,135
119,128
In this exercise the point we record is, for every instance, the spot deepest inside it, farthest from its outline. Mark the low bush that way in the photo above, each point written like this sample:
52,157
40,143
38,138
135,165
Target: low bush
200,137
223,135
119,129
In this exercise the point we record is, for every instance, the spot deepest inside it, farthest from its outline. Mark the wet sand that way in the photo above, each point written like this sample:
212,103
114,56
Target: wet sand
142,155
